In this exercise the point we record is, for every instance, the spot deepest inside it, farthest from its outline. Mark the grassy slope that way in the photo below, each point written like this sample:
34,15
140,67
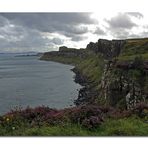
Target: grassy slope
134,48
91,67
64,60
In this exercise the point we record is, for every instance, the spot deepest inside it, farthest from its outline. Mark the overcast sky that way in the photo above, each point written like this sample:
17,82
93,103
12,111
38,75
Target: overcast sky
47,31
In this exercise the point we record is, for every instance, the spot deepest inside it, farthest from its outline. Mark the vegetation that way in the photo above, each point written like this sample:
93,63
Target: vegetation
91,67
134,48
144,56
121,127
43,121
92,119
64,60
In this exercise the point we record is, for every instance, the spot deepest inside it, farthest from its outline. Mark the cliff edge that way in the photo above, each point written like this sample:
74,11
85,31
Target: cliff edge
113,72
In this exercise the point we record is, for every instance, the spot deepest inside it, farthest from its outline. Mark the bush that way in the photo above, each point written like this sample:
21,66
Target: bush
89,116
92,122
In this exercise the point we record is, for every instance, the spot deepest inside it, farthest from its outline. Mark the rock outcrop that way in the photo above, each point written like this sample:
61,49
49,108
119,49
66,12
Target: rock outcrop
123,84
107,48
64,52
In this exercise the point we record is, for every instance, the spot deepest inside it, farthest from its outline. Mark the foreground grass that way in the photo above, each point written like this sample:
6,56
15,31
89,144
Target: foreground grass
125,127
132,126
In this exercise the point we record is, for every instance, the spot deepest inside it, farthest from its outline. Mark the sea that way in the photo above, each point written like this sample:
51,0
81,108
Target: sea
26,81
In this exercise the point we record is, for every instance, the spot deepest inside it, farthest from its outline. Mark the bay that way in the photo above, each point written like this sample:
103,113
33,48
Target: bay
28,81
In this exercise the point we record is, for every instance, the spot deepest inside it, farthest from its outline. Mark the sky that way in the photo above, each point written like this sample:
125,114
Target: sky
41,32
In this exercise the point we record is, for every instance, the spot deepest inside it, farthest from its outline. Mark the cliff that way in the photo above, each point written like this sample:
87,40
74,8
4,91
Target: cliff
64,55
113,72
107,48
125,78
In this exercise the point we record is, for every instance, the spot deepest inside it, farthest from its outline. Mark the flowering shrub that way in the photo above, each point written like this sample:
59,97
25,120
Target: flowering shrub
89,116
118,114
92,122
10,122
37,116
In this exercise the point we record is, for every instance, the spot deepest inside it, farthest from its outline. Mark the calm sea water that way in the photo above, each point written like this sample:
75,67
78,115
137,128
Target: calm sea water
27,81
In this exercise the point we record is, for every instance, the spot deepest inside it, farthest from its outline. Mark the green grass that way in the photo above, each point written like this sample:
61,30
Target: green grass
132,126
134,48
125,127
91,67
59,130
132,57
64,60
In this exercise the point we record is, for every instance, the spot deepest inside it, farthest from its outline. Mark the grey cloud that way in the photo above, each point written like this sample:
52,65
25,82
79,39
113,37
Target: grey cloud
24,30
24,39
12,34
120,34
29,39
51,22
136,14
74,31
125,35
144,34
3,21
57,41
120,25
78,38
98,31
78,30
122,20
28,31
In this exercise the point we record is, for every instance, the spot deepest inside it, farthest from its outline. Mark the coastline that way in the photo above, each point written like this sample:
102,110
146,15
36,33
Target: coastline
88,69
87,92
100,108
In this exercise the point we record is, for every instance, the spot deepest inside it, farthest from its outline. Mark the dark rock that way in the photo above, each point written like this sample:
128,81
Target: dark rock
108,48
86,93
62,48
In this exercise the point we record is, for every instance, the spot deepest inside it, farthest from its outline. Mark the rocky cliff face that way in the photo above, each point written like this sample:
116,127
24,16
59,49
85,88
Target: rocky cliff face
123,87
107,48
64,52
123,83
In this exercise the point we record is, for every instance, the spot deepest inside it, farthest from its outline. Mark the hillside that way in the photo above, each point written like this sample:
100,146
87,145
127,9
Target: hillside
113,72
112,102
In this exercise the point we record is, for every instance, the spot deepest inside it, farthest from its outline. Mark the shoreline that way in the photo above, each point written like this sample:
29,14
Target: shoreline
87,77
85,94
79,79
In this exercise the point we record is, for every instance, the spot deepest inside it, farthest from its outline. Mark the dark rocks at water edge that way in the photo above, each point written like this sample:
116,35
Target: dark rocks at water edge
79,78
86,93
